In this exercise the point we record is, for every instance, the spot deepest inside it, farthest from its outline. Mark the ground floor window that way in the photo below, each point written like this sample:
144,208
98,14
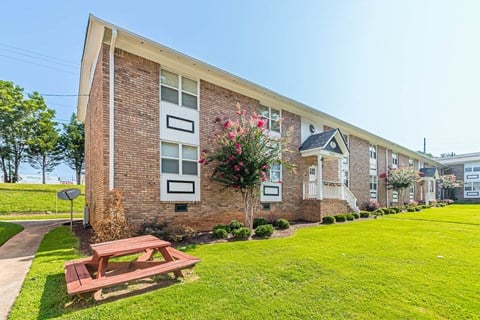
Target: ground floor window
395,196
411,193
373,187
472,189
179,159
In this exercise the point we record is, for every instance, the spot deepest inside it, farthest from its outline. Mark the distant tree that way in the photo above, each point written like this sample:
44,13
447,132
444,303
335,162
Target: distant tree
72,143
17,124
43,148
448,183
447,155
426,154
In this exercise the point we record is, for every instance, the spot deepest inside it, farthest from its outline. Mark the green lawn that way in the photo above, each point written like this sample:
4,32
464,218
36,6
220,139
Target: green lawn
8,230
16,198
40,216
398,267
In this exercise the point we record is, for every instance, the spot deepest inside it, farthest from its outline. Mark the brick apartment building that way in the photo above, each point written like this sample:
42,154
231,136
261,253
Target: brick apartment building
466,167
148,112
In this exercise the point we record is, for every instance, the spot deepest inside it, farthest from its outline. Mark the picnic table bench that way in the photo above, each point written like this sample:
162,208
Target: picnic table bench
96,272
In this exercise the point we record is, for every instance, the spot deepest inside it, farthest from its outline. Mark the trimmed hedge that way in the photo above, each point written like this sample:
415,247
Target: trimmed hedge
219,233
241,233
234,225
264,230
282,224
259,222
340,218
349,216
364,214
328,220
355,215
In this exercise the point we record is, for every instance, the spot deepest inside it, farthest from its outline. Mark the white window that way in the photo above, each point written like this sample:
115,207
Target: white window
178,90
472,189
373,152
179,159
431,186
373,187
345,168
410,162
275,174
394,160
394,196
411,193
273,117
373,160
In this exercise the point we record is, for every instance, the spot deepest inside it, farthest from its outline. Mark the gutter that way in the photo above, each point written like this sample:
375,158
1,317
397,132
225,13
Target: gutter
111,73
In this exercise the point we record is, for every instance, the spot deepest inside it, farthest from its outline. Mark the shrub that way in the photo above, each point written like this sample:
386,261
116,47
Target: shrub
219,234
372,205
165,231
395,210
241,233
235,225
349,216
259,222
411,209
433,203
264,230
282,224
418,208
225,227
379,212
364,214
412,203
448,201
355,215
340,218
112,224
328,220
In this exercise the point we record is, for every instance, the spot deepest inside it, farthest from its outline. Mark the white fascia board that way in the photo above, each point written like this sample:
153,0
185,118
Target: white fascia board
93,42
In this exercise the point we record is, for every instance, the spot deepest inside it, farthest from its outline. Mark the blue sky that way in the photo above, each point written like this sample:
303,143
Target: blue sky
403,70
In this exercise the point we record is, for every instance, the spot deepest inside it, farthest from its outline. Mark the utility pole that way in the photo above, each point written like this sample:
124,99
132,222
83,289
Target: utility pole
424,145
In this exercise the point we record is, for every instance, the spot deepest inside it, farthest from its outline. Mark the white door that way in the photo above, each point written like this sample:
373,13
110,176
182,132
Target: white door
312,181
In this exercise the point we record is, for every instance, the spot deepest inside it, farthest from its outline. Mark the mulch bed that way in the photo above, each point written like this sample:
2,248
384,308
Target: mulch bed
85,235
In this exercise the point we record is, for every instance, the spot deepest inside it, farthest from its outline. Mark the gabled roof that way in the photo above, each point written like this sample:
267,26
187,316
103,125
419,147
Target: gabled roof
318,140
323,141
429,172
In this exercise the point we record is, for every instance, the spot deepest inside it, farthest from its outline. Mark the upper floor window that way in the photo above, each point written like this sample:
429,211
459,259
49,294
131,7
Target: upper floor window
410,162
179,159
472,167
373,152
394,160
179,90
275,174
273,117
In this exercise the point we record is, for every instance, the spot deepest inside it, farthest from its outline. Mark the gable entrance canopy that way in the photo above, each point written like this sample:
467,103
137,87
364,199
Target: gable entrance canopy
329,144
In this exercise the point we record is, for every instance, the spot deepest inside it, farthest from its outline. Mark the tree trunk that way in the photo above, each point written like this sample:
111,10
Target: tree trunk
78,174
43,164
16,166
250,197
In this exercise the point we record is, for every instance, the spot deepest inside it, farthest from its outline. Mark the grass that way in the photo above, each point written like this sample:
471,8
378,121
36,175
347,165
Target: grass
39,216
419,266
36,198
8,230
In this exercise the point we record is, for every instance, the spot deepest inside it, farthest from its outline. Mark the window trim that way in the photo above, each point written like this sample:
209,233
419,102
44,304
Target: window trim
180,90
375,185
269,128
180,159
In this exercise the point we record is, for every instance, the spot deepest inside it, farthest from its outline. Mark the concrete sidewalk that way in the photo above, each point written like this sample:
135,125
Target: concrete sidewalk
16,256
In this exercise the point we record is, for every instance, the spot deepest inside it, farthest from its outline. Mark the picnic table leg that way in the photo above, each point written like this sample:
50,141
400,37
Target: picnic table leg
168,257
147,256
102,269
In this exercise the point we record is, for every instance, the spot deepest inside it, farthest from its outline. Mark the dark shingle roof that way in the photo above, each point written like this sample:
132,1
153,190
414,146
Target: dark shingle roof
429,172
318,140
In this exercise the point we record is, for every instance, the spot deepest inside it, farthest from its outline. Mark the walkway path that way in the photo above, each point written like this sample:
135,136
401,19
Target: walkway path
16,256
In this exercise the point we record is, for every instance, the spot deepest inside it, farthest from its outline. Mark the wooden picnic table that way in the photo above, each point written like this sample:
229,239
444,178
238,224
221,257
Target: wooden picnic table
94,273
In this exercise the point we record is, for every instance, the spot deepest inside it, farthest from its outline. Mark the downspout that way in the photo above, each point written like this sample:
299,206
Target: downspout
112,108
386,171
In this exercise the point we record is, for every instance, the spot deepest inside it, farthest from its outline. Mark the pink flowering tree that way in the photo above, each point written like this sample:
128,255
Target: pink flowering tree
242,157
400,179
448,183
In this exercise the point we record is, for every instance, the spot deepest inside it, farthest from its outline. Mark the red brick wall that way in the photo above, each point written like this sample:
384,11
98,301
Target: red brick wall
96,137
137,131
360,169
381,163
